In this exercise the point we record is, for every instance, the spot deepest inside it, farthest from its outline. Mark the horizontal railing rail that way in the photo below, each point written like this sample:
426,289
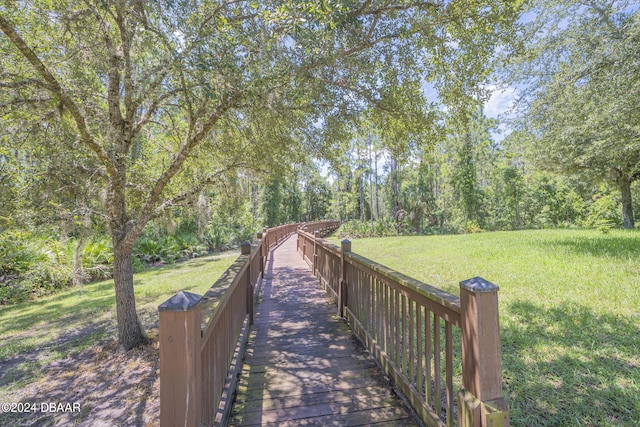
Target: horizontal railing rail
320,226
202,338
410,328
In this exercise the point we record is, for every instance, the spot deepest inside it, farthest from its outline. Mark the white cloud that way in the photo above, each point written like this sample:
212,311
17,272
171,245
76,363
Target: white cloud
500,102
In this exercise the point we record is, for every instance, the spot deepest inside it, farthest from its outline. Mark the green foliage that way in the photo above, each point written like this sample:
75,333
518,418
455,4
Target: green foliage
359,229
317,196
577,69
273,203
604,211
472,227
97,259
226,230
32,267
161,249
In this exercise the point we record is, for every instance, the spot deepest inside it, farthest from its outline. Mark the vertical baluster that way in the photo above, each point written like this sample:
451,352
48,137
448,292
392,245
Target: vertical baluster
419,344
390,317
412,328
428,338
374,305
403,320
396,325
437,377
363,302
379,312
363,278
449,371
368,285
381,302
356,294
387,314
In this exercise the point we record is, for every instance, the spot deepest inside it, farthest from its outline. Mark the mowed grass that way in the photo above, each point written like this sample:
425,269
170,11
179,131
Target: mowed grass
37,333
569,314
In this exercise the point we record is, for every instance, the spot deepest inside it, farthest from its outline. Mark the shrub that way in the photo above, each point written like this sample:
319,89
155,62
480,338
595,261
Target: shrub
32,266
359,229
97,259
472,227
603,211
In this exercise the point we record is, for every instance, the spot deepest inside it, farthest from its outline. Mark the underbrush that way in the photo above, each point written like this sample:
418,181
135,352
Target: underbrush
32,266
360,229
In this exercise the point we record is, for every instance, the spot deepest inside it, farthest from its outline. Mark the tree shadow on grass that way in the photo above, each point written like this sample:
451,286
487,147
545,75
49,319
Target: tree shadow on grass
109,387
568,365
26,364
57,309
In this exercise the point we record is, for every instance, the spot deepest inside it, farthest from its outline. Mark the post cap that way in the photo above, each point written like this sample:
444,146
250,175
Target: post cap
478,284
182,301
345,245
245,248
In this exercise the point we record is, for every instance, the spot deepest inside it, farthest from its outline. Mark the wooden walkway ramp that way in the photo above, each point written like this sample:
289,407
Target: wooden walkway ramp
303,364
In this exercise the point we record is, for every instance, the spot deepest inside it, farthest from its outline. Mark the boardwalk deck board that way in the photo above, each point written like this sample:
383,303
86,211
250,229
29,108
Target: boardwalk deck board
303,364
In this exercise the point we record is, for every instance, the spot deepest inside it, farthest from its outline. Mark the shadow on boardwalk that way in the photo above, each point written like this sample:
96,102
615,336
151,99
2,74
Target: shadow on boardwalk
303,365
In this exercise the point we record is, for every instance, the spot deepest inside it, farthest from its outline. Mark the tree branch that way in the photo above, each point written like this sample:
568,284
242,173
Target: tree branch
211,179
183,154
60,93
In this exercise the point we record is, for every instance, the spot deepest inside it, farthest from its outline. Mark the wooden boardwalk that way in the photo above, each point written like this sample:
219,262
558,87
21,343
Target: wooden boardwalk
303,364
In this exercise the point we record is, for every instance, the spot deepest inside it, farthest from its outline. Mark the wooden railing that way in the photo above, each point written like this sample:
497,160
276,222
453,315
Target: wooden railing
410,328
320,226
202,338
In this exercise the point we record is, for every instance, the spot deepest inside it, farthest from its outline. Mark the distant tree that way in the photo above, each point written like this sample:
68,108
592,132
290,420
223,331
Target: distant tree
292,200
273,212
579,66
317,195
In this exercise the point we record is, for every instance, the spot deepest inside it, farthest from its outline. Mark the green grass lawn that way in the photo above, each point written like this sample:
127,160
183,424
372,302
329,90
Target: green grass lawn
37,333
569,314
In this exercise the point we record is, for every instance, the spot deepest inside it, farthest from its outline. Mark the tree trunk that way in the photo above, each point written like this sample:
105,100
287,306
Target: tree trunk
78,271
130,332
627,207
362,196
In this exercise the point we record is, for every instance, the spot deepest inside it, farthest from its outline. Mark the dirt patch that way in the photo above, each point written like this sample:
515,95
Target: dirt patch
101,385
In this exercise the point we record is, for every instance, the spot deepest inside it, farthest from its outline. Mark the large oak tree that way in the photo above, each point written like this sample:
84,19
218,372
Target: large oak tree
165,96
579,68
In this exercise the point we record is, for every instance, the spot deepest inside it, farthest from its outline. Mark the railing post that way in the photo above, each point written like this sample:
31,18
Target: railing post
304,246
265,243
345,246
297,240
245,249
180,379
259,236
481,402
315,252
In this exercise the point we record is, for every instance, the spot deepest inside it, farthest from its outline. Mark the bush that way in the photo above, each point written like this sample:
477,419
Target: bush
32,266
97,259
603,211
472,227
359,229
154,248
